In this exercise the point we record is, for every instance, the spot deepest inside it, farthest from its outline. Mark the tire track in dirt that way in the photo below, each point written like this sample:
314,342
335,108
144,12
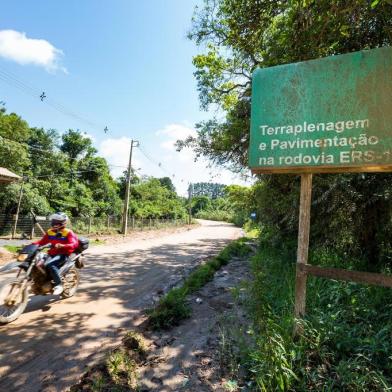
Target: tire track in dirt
49,346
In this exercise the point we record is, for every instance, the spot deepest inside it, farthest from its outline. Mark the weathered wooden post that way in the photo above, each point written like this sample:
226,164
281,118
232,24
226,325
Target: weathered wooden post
303,247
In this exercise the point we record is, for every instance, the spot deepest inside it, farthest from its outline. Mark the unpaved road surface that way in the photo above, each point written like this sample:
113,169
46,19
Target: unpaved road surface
48,347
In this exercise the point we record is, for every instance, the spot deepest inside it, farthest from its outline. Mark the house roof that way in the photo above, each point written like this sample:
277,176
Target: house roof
7,175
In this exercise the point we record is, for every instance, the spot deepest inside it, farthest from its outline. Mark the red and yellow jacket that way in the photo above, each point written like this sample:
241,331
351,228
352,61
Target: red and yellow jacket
65,236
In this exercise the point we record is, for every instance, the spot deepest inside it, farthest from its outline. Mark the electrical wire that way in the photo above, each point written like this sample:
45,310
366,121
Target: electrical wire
14,81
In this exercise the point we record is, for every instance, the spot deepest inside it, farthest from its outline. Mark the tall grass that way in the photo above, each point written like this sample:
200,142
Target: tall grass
173,307
347,340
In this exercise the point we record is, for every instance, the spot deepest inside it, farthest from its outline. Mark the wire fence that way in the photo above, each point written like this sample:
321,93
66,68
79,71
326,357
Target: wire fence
28,227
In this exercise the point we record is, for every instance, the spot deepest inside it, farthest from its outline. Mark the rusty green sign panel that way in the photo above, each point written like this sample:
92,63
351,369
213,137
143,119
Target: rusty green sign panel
328,115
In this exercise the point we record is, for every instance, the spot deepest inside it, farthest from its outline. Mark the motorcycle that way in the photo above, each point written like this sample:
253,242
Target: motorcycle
33,277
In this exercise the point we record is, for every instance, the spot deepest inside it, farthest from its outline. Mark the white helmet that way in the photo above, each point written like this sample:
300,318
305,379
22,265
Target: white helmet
58,219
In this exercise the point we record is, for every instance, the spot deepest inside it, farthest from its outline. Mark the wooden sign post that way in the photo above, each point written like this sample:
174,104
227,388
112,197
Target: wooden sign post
331,115
303,244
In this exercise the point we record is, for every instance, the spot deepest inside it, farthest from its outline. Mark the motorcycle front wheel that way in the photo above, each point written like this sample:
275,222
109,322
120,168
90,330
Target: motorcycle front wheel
13,300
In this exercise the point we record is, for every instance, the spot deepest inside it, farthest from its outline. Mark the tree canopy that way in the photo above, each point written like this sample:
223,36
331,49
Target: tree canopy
235,37
65,173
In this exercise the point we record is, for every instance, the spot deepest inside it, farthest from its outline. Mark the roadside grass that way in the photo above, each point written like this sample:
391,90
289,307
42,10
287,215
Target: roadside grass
346,344
97,242
173,307
16,248
12,248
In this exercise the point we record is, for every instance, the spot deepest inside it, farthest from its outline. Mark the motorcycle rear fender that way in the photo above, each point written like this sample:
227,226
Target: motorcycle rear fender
66,267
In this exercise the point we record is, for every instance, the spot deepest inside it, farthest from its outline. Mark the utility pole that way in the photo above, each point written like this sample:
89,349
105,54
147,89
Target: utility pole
190,192
134,143
18,209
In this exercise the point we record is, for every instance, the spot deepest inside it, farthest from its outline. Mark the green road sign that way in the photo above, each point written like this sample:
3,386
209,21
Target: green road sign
328,115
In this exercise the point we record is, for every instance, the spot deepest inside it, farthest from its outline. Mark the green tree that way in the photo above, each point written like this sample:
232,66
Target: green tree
150,199
241,35
209,189
167,182
14,132
75,145
200,203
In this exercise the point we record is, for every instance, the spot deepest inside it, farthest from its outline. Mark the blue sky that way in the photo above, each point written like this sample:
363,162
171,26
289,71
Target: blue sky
123,64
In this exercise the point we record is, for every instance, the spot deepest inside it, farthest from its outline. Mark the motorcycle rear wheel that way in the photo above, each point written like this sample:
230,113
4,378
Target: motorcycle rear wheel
70,283
9,313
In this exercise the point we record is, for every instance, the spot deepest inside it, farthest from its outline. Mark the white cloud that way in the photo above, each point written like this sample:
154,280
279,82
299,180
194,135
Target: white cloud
177,131
169,145
174,132
183,163
90,136
116,152
16,46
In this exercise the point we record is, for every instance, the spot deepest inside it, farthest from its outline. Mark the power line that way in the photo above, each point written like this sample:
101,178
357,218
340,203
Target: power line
13,80
71,173
159,164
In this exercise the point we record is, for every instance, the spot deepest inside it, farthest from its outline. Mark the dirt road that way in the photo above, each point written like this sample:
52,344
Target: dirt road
48,347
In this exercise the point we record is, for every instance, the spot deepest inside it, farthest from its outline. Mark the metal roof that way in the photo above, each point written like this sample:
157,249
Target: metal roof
7,175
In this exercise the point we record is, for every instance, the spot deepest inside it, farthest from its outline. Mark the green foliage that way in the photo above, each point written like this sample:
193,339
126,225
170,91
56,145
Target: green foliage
66,174
75,145
200,203
12,248
167,183
346,342
350,212
173,307
151,199
215,215
13,132
234,206
208,189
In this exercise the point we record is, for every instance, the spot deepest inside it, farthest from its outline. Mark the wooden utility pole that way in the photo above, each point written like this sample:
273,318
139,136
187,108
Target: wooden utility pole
190,192
124,230
303,247
18,209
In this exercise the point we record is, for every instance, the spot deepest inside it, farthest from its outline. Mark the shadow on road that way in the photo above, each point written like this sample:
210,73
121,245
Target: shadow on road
46,349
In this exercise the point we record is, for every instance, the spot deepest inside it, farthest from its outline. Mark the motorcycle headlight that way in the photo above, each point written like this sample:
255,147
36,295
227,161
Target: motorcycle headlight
22,257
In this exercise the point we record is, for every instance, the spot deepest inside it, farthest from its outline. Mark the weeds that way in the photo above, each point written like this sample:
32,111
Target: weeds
118,371
12,248
346,344
173,307
121,368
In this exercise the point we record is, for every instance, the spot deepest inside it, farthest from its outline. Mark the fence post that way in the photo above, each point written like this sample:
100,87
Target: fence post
89,225
108,223
149,223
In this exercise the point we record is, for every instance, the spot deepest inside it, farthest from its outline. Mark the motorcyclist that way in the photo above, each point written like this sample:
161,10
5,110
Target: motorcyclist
64,242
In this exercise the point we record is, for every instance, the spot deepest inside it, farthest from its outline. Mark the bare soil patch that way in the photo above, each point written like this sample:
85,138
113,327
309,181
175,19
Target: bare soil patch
187,357
140,235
